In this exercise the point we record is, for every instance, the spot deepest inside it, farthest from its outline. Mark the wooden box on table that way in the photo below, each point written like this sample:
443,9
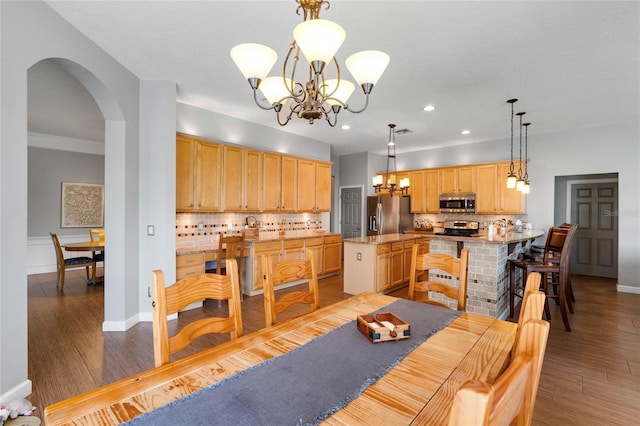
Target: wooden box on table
384,327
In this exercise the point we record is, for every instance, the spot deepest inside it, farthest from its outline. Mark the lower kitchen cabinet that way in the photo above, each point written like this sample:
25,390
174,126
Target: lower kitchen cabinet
327,255
189,264
332,253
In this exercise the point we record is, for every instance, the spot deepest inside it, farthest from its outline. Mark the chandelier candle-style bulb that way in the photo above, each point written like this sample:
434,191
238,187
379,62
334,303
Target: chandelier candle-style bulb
319,40
367,67
254,61
275,89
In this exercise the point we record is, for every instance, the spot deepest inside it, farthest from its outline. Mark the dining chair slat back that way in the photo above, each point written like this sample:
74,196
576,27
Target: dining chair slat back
512,396
283,272
173,299
419,281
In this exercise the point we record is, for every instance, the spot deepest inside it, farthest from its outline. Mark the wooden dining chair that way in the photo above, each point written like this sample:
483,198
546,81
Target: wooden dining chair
421,264
285,271
173,299
532,305
97,235
233,248
511,399
63,264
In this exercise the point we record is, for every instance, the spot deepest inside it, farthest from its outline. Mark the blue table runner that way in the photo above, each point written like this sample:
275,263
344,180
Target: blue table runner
307,384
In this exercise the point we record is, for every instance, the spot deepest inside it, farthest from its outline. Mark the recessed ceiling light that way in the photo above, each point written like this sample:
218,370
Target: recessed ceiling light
345,127
429,108
465,132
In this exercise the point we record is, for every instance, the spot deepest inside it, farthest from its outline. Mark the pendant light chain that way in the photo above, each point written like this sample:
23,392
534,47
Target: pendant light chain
511,166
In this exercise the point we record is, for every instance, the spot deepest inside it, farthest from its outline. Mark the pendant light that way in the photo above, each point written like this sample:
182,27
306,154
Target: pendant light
511,177
391,185
520,181
527,187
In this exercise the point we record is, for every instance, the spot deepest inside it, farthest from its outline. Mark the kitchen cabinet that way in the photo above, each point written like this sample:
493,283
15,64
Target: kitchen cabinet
418,191
382,265
272,249
456,180
293,249
424,190
492,194
327,255
396,264
332,253
315,246
197,175
389,262
408,251
280,177
432,202
242,172
314,186
189,264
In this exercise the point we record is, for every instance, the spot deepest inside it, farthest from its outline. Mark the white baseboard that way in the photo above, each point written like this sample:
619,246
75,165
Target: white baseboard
41,256
627,289
121,325
23,390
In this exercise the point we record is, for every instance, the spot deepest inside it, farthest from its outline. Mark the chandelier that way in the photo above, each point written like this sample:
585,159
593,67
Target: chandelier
391,183
319,96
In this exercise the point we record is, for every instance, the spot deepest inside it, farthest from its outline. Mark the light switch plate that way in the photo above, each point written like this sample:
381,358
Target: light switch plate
151,230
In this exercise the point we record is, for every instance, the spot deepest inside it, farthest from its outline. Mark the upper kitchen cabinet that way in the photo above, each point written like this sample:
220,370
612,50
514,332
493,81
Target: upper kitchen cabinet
492,194
418,191
197,175
433,196
314,186
280,183
456,180
242,171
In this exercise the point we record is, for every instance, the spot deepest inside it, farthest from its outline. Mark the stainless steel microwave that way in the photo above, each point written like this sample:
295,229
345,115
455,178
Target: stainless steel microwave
457,203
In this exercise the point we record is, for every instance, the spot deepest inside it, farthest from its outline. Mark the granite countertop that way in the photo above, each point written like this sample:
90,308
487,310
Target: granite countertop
385,238
264,236
508,238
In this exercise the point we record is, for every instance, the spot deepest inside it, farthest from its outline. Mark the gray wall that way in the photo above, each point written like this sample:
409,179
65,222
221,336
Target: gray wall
594,150
47,169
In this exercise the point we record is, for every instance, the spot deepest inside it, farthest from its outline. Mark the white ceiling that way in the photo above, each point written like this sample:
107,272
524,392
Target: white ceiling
571,64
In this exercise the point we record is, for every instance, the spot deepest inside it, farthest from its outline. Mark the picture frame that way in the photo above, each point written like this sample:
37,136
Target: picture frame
82,205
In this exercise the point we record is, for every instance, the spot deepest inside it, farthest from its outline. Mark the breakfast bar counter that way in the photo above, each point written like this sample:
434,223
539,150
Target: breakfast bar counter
382,263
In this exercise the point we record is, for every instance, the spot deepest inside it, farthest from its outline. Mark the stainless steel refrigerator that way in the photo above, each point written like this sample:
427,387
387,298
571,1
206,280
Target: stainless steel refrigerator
388,215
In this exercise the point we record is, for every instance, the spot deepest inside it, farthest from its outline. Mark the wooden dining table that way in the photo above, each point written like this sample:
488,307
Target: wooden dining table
93,247
418,390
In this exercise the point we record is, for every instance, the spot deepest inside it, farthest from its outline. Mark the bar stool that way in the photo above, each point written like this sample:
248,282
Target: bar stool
559,240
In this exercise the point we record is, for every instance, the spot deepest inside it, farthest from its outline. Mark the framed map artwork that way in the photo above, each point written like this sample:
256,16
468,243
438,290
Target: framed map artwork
82,205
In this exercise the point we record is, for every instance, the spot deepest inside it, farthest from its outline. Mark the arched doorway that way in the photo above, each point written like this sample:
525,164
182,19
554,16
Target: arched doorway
114,134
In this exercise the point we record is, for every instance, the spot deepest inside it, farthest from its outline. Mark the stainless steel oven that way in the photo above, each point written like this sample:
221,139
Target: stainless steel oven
457,203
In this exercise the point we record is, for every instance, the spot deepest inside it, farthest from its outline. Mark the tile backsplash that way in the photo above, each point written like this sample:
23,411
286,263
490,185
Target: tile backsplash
203,229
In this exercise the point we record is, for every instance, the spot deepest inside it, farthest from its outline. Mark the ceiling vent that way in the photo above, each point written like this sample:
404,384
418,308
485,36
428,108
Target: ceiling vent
403,131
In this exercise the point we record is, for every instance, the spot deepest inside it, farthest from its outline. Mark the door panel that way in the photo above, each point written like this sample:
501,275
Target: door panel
594,207
351,212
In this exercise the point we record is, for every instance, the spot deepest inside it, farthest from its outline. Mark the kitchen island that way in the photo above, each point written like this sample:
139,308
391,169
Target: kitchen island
326,248
368,261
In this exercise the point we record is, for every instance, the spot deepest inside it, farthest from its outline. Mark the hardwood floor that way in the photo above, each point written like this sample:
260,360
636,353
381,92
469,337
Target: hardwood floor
590,376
